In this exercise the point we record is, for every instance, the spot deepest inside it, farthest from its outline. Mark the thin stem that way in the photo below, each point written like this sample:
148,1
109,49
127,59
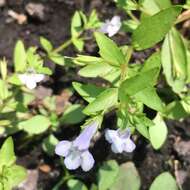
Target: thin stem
133,17
63,46
125,66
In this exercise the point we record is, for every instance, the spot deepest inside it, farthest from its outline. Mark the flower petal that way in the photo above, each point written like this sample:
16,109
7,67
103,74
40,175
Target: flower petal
114,27
116,20
63,148
104,28
38,77
82,142
31,84
87,161
124,134
111,135
129,145
117,146
72,161
23,78
112,30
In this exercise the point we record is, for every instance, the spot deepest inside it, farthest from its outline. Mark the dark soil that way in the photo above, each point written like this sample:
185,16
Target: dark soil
56,27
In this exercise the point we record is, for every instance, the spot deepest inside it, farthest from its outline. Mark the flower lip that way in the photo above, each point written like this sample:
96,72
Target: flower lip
120,140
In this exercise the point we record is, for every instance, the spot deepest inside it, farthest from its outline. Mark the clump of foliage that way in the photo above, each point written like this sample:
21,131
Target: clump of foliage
159,82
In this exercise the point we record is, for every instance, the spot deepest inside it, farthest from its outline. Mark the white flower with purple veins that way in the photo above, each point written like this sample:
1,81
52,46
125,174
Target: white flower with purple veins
120,140
111,27
76,152
30,79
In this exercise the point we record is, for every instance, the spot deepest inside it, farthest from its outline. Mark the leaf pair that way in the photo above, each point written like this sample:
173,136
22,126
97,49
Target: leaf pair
10,173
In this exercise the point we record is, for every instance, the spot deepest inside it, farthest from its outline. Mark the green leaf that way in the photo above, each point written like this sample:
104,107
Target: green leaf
93,21
104,101
142,124
15,175
93,187
150,98
158,132
154,6
109,50
139,82
57,58
95,70
88,91
46,44
76,24
107,174
175,110
164,181
78,43
13,79
7,155
155,28
19,57
33,58
86,59
174,61
72,115
128,178
44,70
4,93
129,25
49,144
74,184
154,61
36,125
127,4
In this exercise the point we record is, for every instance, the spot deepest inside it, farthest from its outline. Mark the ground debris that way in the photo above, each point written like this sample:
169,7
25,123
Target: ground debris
2,3
37,11
20,18
31,182
183,149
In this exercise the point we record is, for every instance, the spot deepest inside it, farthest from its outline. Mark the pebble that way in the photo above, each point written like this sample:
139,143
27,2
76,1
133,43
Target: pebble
37,11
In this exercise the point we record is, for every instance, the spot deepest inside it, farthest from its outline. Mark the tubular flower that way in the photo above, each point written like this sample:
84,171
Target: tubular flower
76,152
120,140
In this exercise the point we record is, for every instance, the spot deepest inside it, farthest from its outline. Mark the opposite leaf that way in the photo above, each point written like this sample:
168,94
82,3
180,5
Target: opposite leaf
174,60
7,155
158,132
109,50
103,102
36,125
164,181
153,29
128,178
19,57
107,174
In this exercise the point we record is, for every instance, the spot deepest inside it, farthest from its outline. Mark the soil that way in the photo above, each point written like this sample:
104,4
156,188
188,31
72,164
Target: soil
56,27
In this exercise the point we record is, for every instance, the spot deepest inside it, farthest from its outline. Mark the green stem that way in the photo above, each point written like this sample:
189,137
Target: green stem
61,182
125,66
63,46
133,17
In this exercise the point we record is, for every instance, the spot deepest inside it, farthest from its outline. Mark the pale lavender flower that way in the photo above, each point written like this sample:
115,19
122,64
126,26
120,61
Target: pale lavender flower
120,140
111,27
76,152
